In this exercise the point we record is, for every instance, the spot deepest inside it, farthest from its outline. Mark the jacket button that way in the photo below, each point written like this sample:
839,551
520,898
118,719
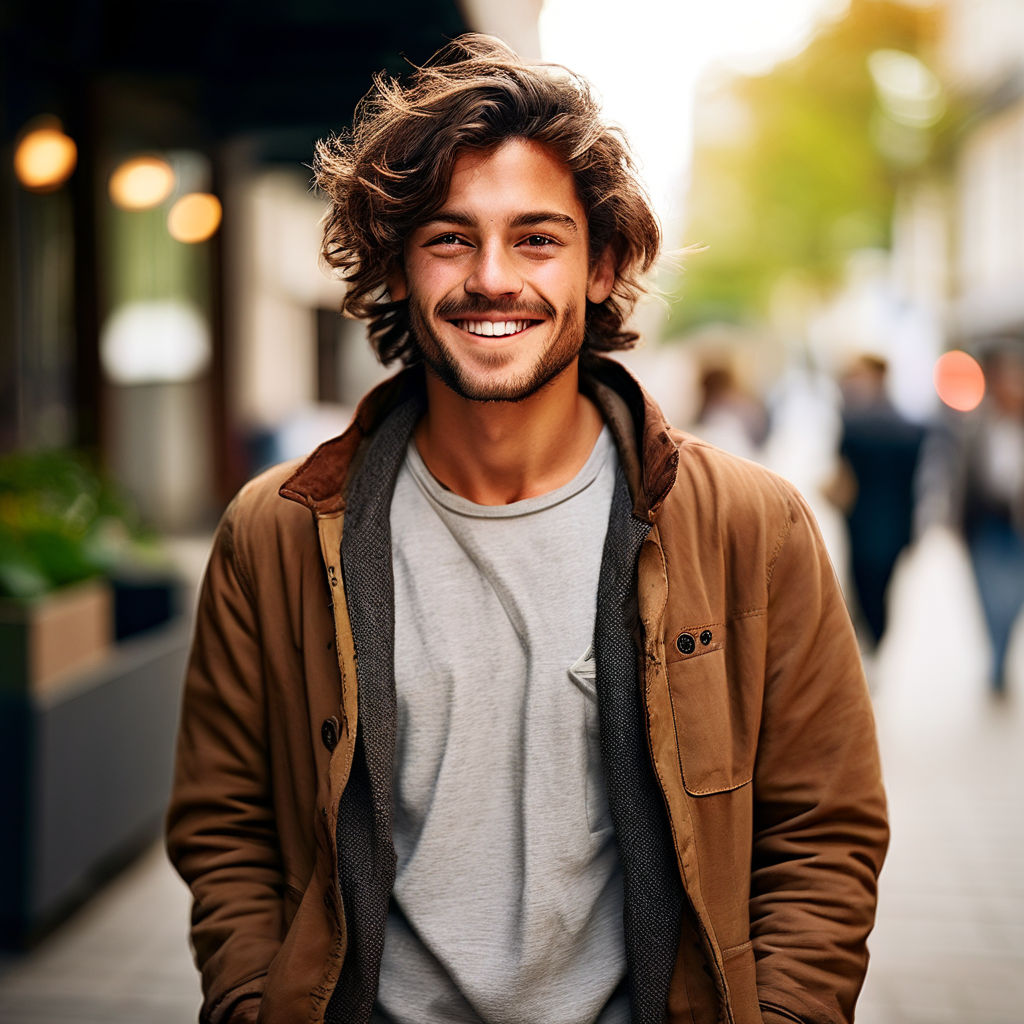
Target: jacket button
329,732
685,643
705,637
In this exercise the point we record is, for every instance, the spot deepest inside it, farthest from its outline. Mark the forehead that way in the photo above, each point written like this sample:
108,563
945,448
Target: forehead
515,177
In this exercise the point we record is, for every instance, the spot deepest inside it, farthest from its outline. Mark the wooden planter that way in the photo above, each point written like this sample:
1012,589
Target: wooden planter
54,637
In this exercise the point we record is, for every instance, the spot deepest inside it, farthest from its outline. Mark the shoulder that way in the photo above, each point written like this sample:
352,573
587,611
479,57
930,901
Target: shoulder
727,518
260,501
737,532
733,488
258,517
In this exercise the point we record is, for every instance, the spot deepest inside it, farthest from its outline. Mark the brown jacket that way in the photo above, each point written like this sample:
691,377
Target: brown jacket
762,739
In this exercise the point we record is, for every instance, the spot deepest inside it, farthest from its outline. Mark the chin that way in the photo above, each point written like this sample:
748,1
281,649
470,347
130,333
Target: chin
498,386
499,383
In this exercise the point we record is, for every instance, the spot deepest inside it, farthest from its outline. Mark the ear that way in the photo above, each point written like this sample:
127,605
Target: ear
601,279
398,289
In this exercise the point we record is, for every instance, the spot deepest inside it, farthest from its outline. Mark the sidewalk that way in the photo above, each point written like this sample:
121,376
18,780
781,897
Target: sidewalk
949,944
122,958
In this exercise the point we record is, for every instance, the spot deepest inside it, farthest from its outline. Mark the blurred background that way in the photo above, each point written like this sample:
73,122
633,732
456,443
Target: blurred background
841,184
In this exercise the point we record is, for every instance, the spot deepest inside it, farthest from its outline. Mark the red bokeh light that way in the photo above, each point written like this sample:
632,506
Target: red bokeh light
959,381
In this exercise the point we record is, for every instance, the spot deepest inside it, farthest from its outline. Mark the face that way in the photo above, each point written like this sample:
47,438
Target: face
497,280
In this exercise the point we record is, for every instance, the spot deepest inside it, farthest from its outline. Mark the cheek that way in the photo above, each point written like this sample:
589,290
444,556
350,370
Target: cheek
562,284
432,279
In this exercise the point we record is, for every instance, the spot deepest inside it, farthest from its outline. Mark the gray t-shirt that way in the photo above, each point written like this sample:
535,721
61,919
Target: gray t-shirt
507,906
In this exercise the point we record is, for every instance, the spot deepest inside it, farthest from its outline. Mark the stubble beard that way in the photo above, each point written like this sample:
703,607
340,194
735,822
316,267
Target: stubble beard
560,353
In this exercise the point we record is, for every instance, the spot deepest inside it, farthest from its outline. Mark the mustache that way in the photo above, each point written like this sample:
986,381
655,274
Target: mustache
451,309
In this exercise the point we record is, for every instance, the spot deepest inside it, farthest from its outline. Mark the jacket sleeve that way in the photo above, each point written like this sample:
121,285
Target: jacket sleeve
820,831
221,834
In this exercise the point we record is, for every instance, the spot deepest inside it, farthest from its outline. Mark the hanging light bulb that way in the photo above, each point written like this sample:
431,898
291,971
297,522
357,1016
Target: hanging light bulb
141,183
194,217
44,157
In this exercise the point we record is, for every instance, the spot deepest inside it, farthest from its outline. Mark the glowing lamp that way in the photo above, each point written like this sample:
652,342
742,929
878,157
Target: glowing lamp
959,381
45,157
141,183
194,217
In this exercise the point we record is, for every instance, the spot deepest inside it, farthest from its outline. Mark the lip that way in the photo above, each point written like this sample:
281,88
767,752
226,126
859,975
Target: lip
494,318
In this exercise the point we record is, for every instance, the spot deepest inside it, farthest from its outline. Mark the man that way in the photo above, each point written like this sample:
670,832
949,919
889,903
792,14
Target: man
874,486
512,703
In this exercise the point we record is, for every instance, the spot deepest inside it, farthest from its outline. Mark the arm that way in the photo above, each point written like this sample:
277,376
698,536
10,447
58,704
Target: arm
221,833
820,830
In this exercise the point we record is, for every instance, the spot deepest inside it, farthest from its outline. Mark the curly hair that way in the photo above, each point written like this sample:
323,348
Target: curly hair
392,170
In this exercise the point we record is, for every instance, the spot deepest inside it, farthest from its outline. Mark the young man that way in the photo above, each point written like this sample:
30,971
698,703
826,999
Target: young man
513,704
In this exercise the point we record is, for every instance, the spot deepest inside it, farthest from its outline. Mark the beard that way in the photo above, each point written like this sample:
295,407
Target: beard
561,352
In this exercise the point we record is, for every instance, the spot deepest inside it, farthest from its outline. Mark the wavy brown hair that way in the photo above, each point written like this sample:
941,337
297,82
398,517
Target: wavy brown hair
392,171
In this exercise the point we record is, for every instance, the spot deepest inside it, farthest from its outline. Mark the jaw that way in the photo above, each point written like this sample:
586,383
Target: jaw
486,382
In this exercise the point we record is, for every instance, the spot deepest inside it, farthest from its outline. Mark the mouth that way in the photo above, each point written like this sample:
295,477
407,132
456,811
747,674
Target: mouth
494,328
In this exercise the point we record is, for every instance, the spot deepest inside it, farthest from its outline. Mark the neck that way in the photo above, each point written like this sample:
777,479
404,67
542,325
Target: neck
494,453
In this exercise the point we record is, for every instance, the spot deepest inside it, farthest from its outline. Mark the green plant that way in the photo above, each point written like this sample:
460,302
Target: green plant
60,522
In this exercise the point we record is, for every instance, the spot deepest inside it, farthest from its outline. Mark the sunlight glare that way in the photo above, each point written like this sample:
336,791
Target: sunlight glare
645,61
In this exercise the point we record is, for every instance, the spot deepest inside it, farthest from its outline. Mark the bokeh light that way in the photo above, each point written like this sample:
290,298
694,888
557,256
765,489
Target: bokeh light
909,90
155,342
141,183
959,381
45,157
194,217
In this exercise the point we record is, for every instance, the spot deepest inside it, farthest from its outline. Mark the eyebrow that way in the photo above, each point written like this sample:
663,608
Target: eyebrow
520,220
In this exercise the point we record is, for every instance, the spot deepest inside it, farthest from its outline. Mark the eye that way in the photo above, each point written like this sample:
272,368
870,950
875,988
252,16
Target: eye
448,238
538,241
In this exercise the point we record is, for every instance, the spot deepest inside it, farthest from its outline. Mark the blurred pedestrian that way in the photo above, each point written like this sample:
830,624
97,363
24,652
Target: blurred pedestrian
729,416
879,450
972,479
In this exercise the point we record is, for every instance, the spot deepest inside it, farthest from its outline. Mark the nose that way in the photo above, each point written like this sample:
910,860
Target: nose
494,274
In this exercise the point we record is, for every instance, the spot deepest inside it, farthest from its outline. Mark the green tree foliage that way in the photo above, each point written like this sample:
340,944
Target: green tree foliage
800,176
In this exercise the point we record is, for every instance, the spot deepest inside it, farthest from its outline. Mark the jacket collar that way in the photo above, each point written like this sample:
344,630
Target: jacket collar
648,453
321,481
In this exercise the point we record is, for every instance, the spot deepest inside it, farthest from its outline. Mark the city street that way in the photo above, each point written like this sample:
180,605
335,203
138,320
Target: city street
949,944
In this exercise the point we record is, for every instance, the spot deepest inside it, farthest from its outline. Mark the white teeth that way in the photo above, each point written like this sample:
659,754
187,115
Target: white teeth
493,329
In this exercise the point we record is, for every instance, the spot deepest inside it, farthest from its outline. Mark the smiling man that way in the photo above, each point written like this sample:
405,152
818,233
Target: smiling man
513,704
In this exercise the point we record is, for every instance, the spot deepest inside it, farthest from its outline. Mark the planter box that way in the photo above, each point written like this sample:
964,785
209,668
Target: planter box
85,770
54,637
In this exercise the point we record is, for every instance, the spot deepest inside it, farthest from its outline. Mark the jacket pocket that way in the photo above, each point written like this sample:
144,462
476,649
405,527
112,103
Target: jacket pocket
715,689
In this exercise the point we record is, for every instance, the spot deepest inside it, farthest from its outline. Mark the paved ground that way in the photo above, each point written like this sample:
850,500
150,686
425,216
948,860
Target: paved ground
123,958
949,945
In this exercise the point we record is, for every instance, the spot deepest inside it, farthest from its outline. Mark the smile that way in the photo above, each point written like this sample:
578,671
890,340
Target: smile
494,328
